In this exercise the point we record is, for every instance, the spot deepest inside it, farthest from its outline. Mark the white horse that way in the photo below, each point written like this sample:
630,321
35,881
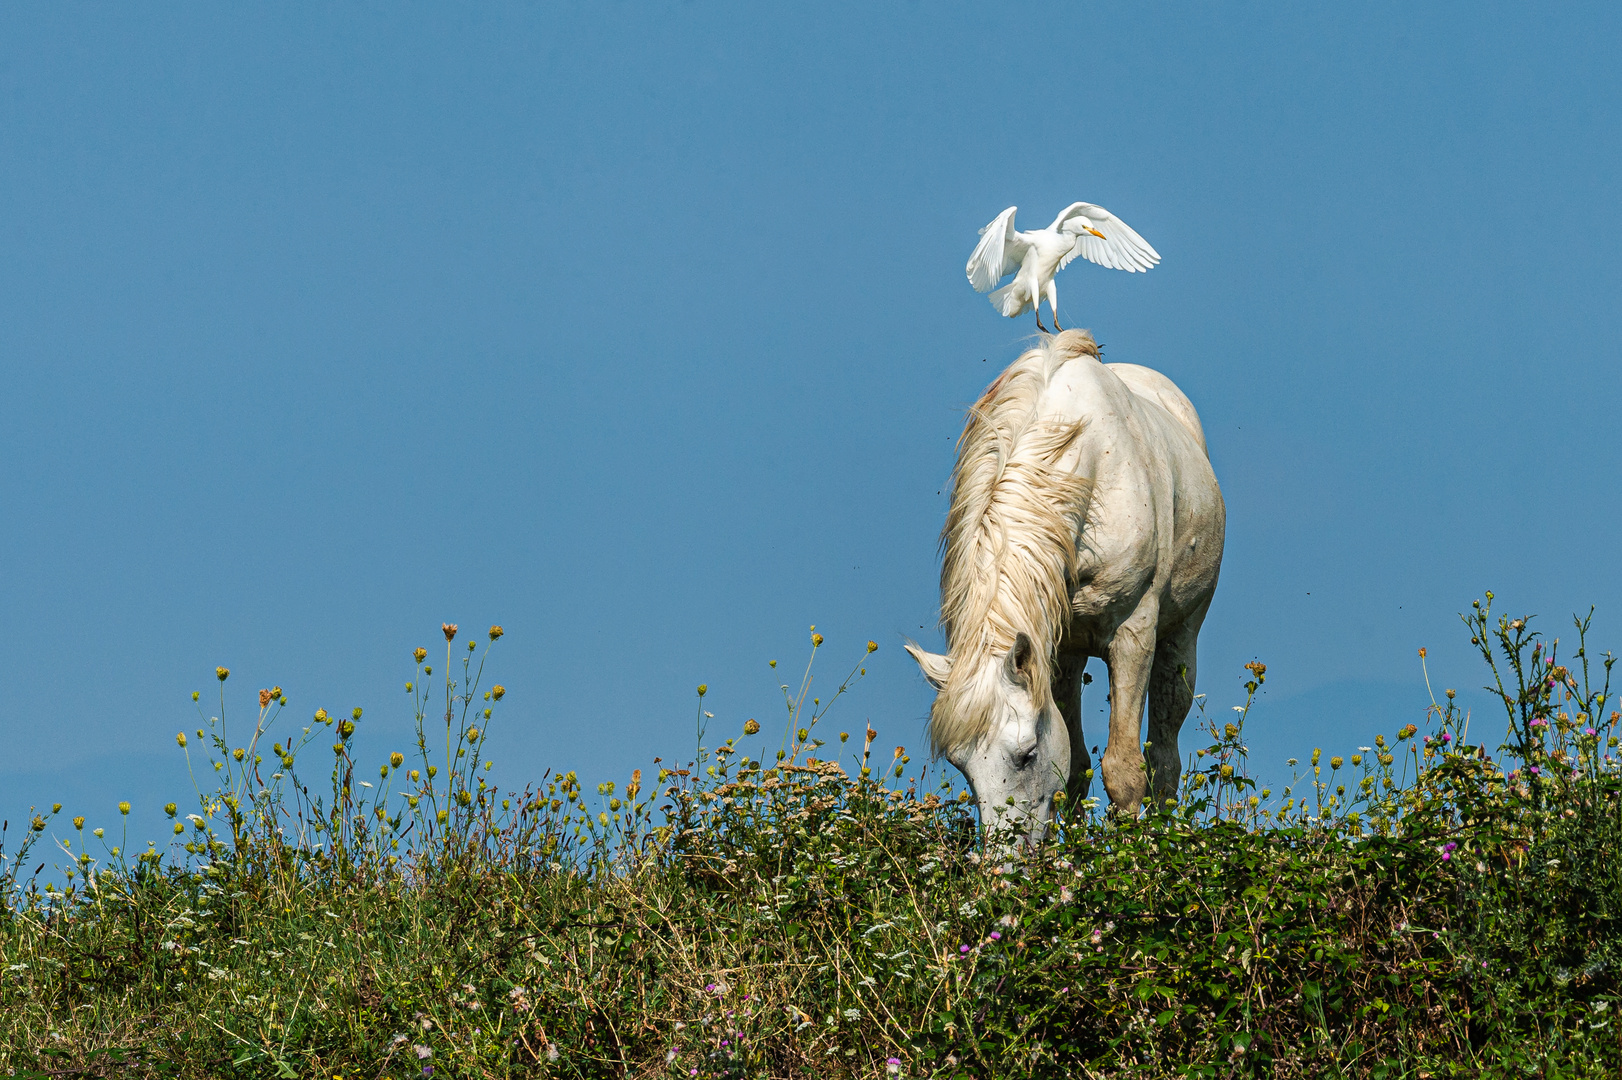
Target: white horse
1085,521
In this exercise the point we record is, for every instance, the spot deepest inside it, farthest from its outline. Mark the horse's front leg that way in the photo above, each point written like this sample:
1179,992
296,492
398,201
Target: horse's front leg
1067,693
1131,655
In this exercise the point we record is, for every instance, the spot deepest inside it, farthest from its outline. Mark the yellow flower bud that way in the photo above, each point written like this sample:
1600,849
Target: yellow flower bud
195,695
321,716
816,641
222,673
495,632
703,688
179,828
124,808
498,692
1335,762
356,713
751,726
78,823
396,759
237,753
420,655
872,646
414,775
180,737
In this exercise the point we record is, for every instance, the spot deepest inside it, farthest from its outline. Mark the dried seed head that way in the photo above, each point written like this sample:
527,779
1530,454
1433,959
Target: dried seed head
449,629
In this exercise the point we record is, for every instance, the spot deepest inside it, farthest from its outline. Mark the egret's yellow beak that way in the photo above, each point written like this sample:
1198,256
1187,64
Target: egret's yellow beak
1098,234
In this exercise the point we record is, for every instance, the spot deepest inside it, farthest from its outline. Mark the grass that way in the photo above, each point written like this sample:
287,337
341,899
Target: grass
1428,906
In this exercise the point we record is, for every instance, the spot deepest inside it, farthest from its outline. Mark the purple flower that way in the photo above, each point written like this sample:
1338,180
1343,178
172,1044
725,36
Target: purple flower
962,948
427,1070
1447,736
1533,769
996,936
1590,732
1446,855
1449,846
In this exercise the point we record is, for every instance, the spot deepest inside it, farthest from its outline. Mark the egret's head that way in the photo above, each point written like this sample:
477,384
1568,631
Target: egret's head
1017,756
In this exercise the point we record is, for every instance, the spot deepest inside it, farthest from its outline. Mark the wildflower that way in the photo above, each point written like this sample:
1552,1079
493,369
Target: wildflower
180,737
1335,762
396,759
124,808
552,1052
222,673
816,641
1539,722
422,1051
751,726
321,716
893,1065
419,654
703,688
169,808
264,698
498,691
962,948
1447,736
449,629
1590,732
495,632
872,646
995,935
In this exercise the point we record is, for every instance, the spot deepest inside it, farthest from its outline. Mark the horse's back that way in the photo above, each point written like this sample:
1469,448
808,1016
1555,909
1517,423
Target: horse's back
1152,386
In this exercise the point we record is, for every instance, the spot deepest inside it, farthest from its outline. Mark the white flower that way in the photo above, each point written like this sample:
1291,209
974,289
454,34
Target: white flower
422,1051
552,1052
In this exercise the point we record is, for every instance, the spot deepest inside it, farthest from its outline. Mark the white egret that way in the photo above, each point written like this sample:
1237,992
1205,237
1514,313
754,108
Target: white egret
1034,257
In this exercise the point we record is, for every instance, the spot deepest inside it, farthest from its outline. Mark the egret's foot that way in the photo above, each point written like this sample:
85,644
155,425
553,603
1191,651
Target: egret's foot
1040,327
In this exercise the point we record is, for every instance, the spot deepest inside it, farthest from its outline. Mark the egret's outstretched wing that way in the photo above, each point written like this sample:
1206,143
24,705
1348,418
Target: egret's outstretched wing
1119,248
998,254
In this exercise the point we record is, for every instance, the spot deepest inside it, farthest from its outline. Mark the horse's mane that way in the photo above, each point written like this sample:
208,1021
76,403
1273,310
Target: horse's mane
1008,549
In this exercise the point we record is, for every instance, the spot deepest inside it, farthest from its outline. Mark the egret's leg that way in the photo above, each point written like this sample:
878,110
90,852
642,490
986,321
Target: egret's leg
1053,304
1036,305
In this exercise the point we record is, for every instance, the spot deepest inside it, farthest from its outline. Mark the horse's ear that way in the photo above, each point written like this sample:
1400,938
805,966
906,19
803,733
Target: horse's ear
935,666
1020,662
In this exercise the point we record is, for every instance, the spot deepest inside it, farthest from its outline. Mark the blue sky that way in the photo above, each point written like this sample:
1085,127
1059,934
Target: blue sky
642,330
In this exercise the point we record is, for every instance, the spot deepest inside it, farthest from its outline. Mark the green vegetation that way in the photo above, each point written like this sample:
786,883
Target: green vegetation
1410,909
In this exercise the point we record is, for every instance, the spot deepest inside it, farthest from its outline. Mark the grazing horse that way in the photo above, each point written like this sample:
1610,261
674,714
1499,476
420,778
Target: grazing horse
1085,521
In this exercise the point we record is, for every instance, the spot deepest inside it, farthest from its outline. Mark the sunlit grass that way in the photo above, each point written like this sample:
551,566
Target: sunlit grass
1427,905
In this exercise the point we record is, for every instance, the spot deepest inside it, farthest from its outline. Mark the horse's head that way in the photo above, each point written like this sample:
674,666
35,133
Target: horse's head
998,724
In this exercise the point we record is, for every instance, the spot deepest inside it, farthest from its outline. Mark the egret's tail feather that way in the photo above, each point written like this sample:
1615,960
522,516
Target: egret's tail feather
1012,299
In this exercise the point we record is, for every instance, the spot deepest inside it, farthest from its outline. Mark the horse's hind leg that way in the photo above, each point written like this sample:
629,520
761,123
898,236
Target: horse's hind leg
1171,692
